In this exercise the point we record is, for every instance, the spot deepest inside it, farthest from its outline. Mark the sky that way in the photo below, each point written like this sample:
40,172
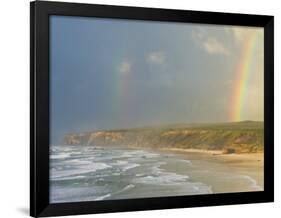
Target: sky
117,73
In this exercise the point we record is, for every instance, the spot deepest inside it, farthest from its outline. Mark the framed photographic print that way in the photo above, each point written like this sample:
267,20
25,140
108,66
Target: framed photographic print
141,109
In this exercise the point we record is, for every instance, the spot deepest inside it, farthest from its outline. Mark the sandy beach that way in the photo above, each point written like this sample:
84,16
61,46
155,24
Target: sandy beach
247,168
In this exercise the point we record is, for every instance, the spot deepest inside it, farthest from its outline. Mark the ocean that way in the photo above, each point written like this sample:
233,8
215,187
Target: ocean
90,173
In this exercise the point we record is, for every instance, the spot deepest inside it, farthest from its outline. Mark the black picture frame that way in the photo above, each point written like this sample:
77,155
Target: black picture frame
39,108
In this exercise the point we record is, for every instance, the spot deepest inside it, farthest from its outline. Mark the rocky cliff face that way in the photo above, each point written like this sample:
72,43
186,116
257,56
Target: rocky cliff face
238,139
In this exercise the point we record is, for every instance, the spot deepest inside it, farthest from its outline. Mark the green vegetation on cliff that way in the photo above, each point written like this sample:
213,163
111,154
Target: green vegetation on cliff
235,137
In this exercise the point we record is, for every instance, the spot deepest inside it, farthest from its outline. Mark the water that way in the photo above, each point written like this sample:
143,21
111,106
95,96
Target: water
88,173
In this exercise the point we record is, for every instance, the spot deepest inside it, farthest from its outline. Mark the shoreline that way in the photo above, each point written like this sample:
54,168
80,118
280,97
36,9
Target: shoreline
247,167
254,156
257,156
250,167
192,150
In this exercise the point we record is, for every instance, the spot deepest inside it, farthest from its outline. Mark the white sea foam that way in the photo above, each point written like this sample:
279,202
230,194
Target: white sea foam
128,187
186,161
120,162
155,170
59,156
133,154
152,155
163,179
200,188
75,153
252,182
69,178
102,197
105,165
81,170
78,162
130,166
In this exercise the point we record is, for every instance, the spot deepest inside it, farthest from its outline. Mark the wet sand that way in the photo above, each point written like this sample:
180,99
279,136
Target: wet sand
224,172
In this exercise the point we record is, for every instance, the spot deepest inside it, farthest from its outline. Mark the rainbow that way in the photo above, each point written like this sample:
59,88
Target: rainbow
121,88
242,72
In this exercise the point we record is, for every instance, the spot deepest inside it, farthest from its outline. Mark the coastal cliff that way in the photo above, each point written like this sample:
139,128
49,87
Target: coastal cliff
236,137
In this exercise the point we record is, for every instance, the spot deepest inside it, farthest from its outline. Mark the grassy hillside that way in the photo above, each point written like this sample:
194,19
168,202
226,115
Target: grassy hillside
236,137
